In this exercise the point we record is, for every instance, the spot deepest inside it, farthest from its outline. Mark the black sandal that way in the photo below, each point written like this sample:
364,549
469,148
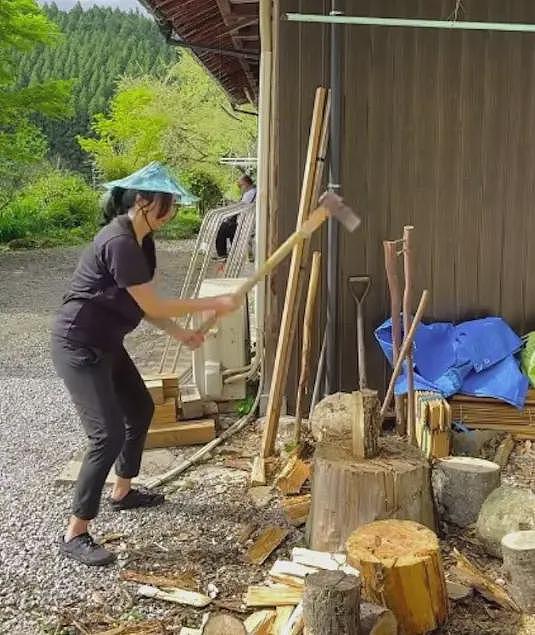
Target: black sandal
138,498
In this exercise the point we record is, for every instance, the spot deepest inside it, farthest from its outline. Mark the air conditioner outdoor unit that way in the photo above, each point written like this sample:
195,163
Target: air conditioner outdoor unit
226,348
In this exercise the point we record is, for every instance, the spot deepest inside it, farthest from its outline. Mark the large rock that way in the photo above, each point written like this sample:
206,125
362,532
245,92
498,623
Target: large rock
332,417
507,509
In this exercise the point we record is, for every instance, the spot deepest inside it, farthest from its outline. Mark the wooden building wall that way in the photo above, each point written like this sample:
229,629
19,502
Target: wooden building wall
438,132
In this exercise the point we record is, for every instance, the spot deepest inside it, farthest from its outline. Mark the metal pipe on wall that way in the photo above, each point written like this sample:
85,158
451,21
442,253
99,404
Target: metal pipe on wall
332,379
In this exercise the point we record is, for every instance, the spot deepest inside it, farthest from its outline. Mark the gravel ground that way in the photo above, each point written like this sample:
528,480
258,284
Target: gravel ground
198,528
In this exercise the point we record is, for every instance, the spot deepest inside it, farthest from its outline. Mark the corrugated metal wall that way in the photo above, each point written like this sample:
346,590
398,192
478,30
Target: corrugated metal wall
439,132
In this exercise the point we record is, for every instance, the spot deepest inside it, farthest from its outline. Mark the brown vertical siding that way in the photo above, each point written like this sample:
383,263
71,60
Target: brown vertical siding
439,132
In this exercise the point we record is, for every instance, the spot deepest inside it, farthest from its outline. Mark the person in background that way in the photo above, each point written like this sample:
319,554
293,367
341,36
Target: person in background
111,291
226,232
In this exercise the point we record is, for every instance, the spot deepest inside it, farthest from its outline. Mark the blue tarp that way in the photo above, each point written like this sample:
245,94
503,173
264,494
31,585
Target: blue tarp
473,358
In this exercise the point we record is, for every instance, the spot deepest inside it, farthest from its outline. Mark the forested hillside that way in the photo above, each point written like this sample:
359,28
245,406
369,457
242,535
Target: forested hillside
98,47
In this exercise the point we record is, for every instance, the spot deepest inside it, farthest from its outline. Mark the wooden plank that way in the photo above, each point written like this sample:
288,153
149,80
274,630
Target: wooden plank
285,340
276,595
169,382
179,434
293,476
164,414
266,543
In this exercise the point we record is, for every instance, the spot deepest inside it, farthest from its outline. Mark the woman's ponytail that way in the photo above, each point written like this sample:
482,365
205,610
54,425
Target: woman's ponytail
115,202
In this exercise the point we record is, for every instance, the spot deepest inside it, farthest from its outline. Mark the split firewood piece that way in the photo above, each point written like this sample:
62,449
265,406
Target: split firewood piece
191,403
223,624
293,476
182,580
185,630
288,580
266,543
276,595
284,613
178,596
323,560
461,485
366,424
518,550
504,451
260,623
290,573
258,475
295,624
377,620
401,568
471,574
296,509
331,603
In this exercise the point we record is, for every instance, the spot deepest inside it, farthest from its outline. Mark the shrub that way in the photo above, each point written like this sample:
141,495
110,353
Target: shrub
186,224
56,208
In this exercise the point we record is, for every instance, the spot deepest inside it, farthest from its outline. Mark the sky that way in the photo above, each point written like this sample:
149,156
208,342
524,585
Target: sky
126,5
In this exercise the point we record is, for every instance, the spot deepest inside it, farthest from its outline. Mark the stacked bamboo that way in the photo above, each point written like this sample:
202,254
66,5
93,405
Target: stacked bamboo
171,426
433,424
484,413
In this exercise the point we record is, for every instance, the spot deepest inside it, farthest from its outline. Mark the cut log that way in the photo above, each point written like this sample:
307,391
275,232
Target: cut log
284,613
331,420
258,475
366,424
266,543
293,476
504,451
179,434
219,624
460,486
260,623
377,620
296,509
348,493
331,603
276,595
471,574
401,568
518,551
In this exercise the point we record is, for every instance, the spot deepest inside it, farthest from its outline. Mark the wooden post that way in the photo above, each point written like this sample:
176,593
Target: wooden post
391,266
518,551
307,342
401,568
366,424
407,320
331,603
311,180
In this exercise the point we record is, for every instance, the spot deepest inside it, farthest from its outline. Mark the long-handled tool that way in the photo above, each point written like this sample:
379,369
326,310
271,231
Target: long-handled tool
331,205
359,286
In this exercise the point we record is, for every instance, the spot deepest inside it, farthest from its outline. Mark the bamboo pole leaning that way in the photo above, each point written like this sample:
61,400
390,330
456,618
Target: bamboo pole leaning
407,318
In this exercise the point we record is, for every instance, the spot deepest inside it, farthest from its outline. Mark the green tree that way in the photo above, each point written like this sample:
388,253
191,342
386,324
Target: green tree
23,25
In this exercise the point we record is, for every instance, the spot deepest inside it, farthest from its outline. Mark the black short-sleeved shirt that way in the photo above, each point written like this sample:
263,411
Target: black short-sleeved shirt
97,310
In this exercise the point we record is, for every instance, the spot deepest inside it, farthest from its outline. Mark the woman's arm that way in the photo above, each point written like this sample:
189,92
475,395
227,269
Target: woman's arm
159,308
192,339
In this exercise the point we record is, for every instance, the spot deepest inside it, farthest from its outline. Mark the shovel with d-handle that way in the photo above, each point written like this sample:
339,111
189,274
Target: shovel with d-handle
359,287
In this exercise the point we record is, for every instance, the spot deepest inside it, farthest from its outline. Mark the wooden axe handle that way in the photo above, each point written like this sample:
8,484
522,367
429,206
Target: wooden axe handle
314,221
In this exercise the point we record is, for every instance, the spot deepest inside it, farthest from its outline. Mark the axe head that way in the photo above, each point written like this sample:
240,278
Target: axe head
339,210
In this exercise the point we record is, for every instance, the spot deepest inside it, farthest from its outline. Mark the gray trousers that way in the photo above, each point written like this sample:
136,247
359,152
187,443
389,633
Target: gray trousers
115,411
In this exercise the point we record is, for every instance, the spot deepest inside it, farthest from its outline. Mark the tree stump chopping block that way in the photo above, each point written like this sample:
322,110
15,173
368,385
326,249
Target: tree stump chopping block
401,569
331,603
348,492
518,551
461,485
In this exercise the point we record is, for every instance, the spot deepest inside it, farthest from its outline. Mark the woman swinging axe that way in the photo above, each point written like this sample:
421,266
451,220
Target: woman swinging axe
111,291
